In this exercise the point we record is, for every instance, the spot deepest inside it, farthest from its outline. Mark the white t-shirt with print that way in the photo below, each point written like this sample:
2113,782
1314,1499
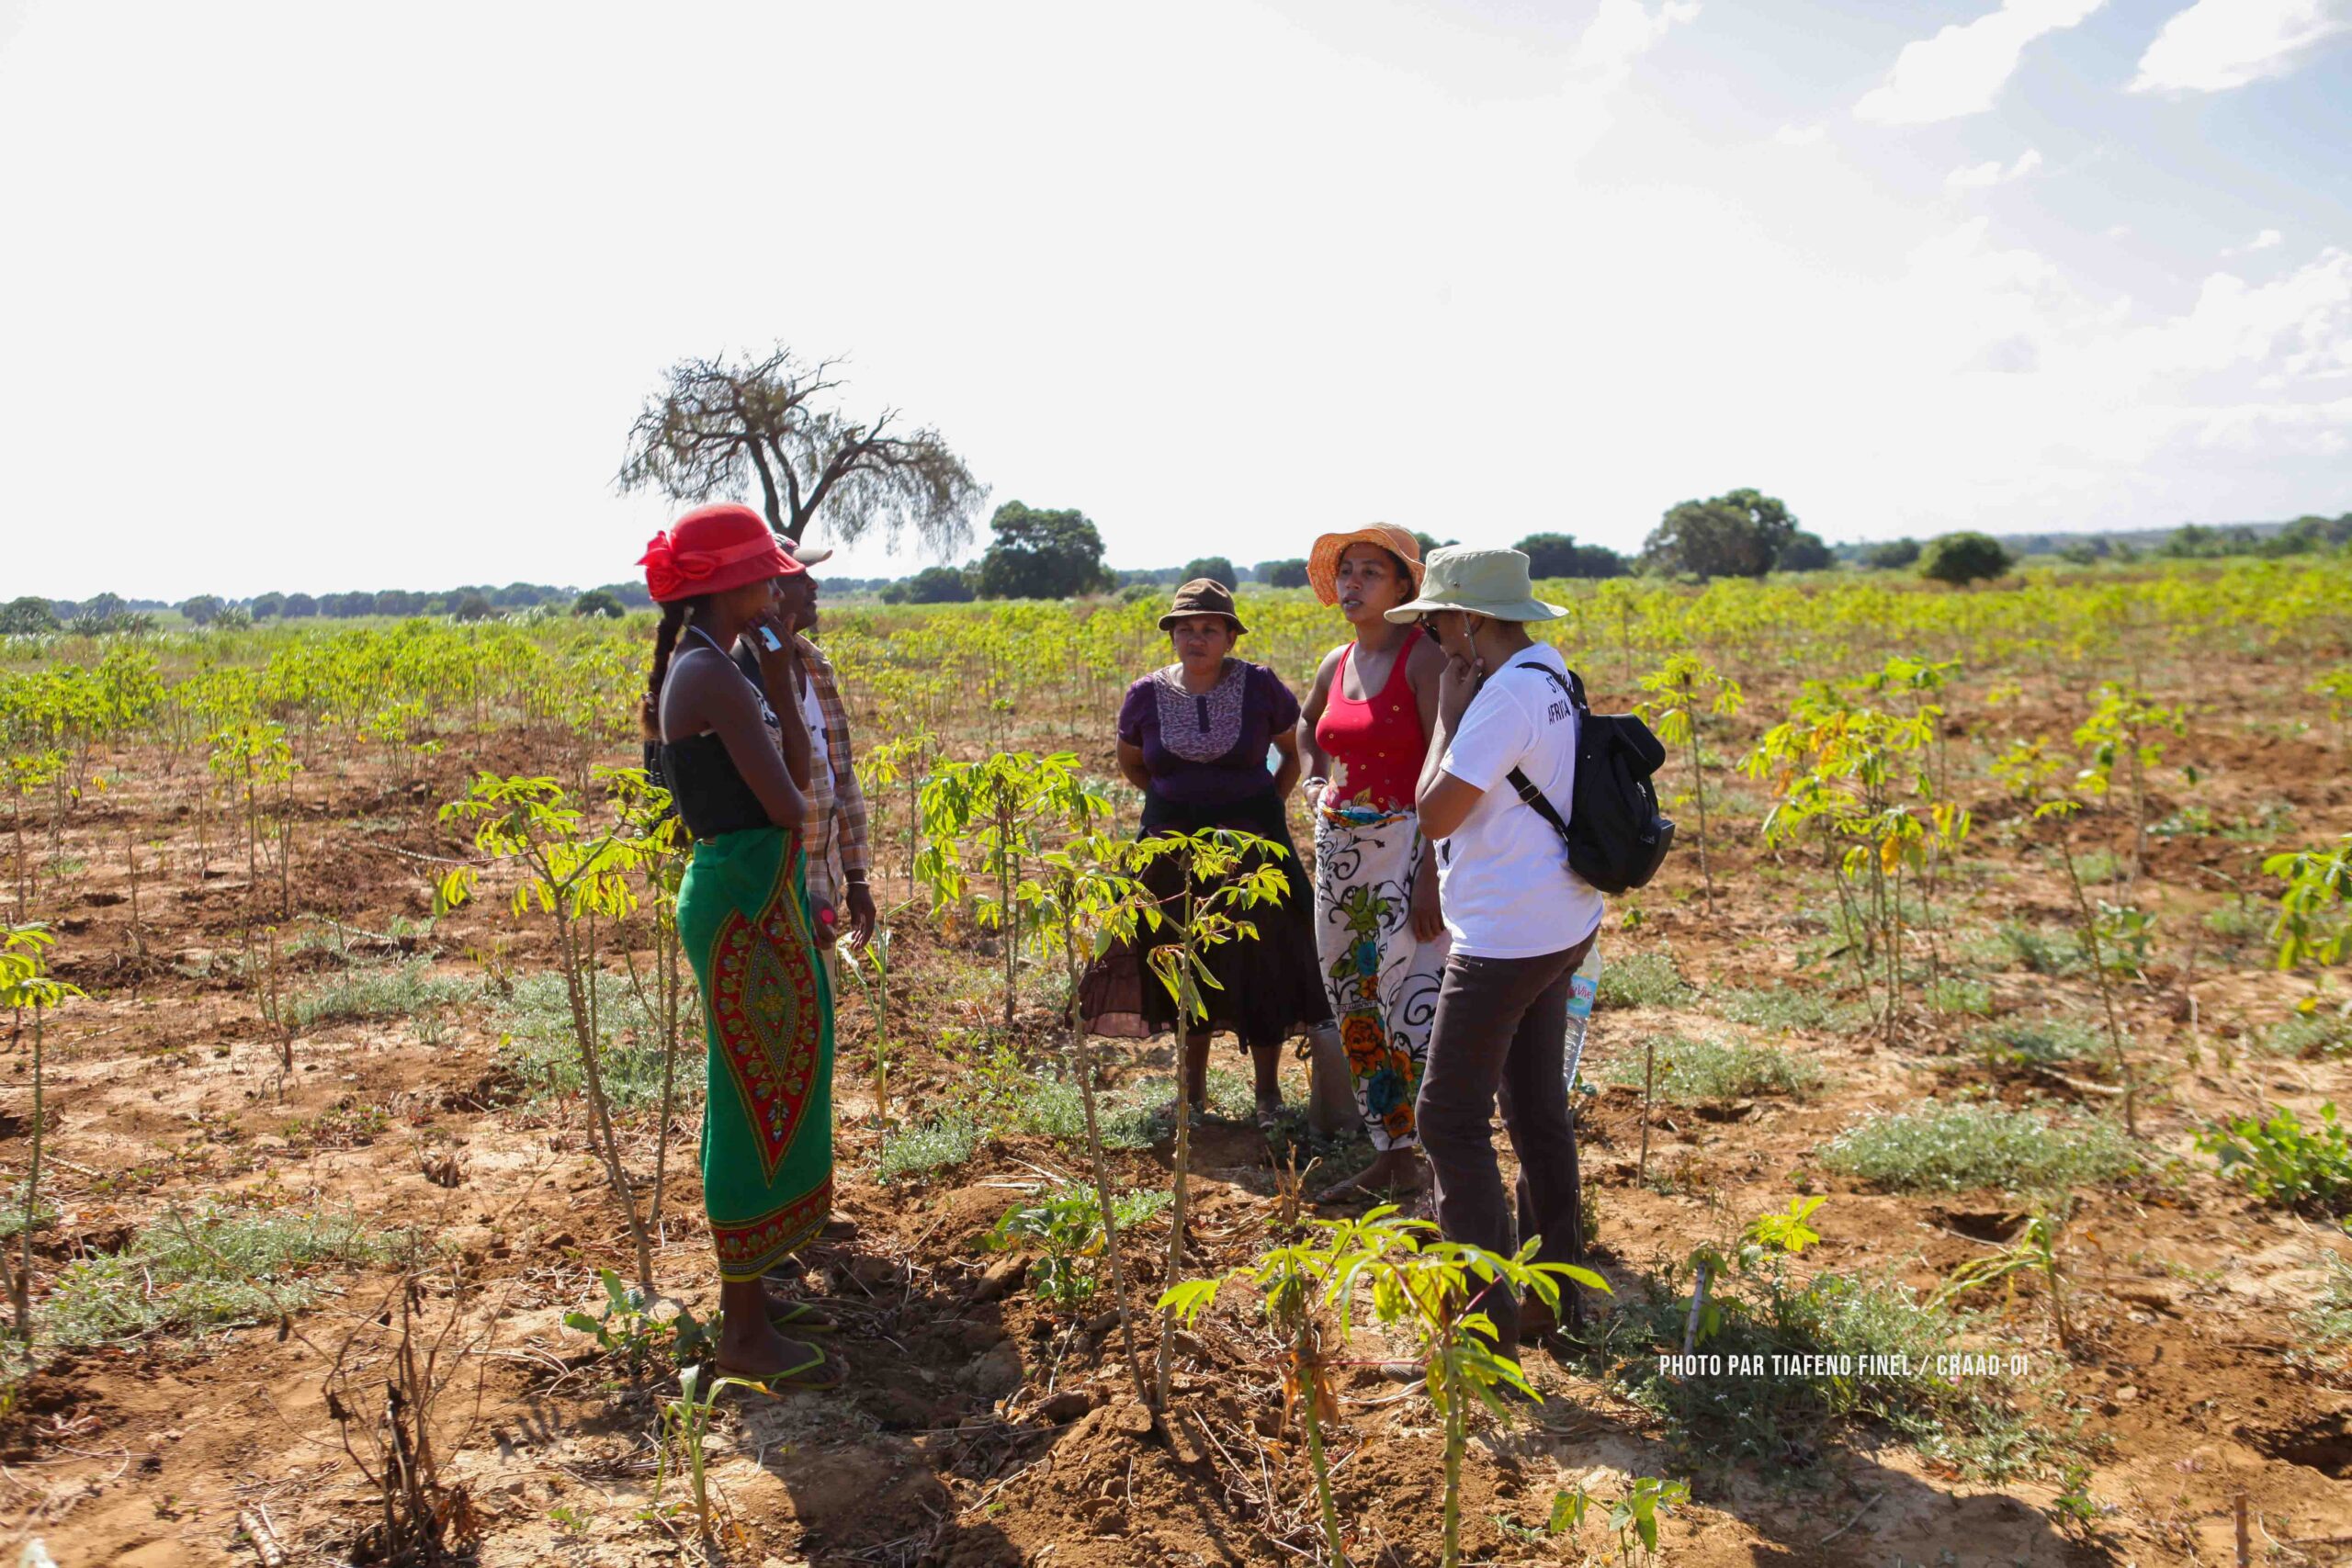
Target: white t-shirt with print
1503,875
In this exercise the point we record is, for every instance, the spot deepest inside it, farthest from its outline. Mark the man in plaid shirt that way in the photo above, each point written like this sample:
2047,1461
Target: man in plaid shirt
836,831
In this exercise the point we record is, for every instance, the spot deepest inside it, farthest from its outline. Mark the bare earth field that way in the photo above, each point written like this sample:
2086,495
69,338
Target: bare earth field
440,1168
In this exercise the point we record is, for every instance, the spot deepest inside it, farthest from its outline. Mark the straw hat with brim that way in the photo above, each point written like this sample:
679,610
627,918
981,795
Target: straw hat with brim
1202,596
1323,560
1481,583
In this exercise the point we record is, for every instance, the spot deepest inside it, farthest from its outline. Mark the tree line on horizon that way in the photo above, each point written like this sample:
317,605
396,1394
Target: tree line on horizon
776,427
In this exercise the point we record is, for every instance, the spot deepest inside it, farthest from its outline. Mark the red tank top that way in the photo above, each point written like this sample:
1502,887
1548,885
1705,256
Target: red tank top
1376,746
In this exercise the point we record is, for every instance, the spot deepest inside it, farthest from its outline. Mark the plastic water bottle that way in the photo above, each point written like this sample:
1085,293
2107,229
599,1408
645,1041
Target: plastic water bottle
1583,986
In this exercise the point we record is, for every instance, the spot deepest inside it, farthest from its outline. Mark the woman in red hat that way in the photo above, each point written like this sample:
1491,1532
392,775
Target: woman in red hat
738,770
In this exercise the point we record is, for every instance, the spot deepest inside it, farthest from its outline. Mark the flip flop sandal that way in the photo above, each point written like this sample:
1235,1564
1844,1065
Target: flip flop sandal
800,1316
795,1376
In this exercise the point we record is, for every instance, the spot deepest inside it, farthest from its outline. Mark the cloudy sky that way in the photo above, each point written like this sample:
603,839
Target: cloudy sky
326,296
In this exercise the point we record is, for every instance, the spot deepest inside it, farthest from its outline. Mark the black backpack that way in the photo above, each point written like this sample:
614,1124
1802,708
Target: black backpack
1617,837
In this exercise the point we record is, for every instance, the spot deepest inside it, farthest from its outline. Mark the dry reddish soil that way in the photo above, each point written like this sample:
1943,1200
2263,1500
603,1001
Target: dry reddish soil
978,1427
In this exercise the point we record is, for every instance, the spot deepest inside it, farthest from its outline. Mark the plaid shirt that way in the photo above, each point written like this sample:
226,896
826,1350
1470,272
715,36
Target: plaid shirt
835,834
841,857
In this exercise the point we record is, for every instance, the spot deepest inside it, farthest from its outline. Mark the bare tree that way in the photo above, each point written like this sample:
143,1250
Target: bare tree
714,421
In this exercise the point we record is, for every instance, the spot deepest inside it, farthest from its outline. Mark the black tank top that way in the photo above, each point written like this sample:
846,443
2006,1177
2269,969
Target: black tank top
705,786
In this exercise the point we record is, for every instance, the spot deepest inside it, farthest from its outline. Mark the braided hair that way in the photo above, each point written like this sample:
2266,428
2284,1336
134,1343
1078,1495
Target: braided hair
674,615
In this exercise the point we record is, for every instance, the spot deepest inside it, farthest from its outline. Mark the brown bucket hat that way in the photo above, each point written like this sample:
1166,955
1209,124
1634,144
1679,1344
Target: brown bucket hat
1202,596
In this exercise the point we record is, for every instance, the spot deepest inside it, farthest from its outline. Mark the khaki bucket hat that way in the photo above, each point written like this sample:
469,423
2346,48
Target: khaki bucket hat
1483,582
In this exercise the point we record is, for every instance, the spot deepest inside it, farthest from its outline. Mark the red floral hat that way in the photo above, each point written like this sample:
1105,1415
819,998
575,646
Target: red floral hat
712,549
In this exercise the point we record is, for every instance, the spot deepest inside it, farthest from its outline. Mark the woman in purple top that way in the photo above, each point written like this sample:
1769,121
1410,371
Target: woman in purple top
1194,737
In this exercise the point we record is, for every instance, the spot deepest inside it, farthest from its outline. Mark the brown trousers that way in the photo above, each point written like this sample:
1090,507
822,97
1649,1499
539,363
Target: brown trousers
1500,1034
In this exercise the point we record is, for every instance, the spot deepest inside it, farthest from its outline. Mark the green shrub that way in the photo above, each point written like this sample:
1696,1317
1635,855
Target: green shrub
1957,1148
2236,925
1964,558
2282,1161
1705,1072
2309,1035
213,1268
538,1046
1066,1226
368,992
2040,951
1054,1108
1644,979
1972,1422
1790,1008
935,1144
1950,995
2038,1042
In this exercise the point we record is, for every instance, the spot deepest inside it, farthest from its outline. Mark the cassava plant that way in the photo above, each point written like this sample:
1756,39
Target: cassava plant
2124,731
995,812
580,880
2031,773
1688,690
27,988
1421,1285
1225,872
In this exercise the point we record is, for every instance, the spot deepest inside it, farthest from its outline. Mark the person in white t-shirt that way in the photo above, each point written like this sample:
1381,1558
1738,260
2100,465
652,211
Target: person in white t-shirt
1520,919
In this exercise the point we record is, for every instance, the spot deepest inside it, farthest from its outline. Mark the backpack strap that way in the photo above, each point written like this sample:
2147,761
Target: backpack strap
1535,797
1518,779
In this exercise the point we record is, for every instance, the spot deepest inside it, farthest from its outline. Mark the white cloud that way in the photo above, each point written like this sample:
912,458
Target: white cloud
2218,44
1980,177
1962,69
1622,32
2269,239
1801,135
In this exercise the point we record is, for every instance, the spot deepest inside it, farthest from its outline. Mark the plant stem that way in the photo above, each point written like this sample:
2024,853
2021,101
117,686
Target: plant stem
1455,1438
2105,992
24,1279
1309,1388
1083,1063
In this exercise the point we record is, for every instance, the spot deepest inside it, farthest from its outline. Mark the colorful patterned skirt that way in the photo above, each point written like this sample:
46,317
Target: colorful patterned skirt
1382,978
767,1131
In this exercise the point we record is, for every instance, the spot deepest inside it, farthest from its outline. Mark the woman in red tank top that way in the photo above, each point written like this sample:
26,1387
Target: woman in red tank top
1362,734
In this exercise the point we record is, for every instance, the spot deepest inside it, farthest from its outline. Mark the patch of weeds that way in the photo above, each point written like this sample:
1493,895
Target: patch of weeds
938,1144
2309,1035
1231,1096
2328,1320
1705,1072
1052,1107
1959,1148
2267,821
372,991
1788,1009
539,1046
345,1128
2040,951
1066,1226
215,1268
2236,925
12,1218
2099,865
1885,1332
2038,1042
2285,1162
1973,997
1644,979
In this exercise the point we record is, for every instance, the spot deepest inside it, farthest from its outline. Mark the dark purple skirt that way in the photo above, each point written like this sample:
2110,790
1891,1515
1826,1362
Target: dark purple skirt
1270,986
